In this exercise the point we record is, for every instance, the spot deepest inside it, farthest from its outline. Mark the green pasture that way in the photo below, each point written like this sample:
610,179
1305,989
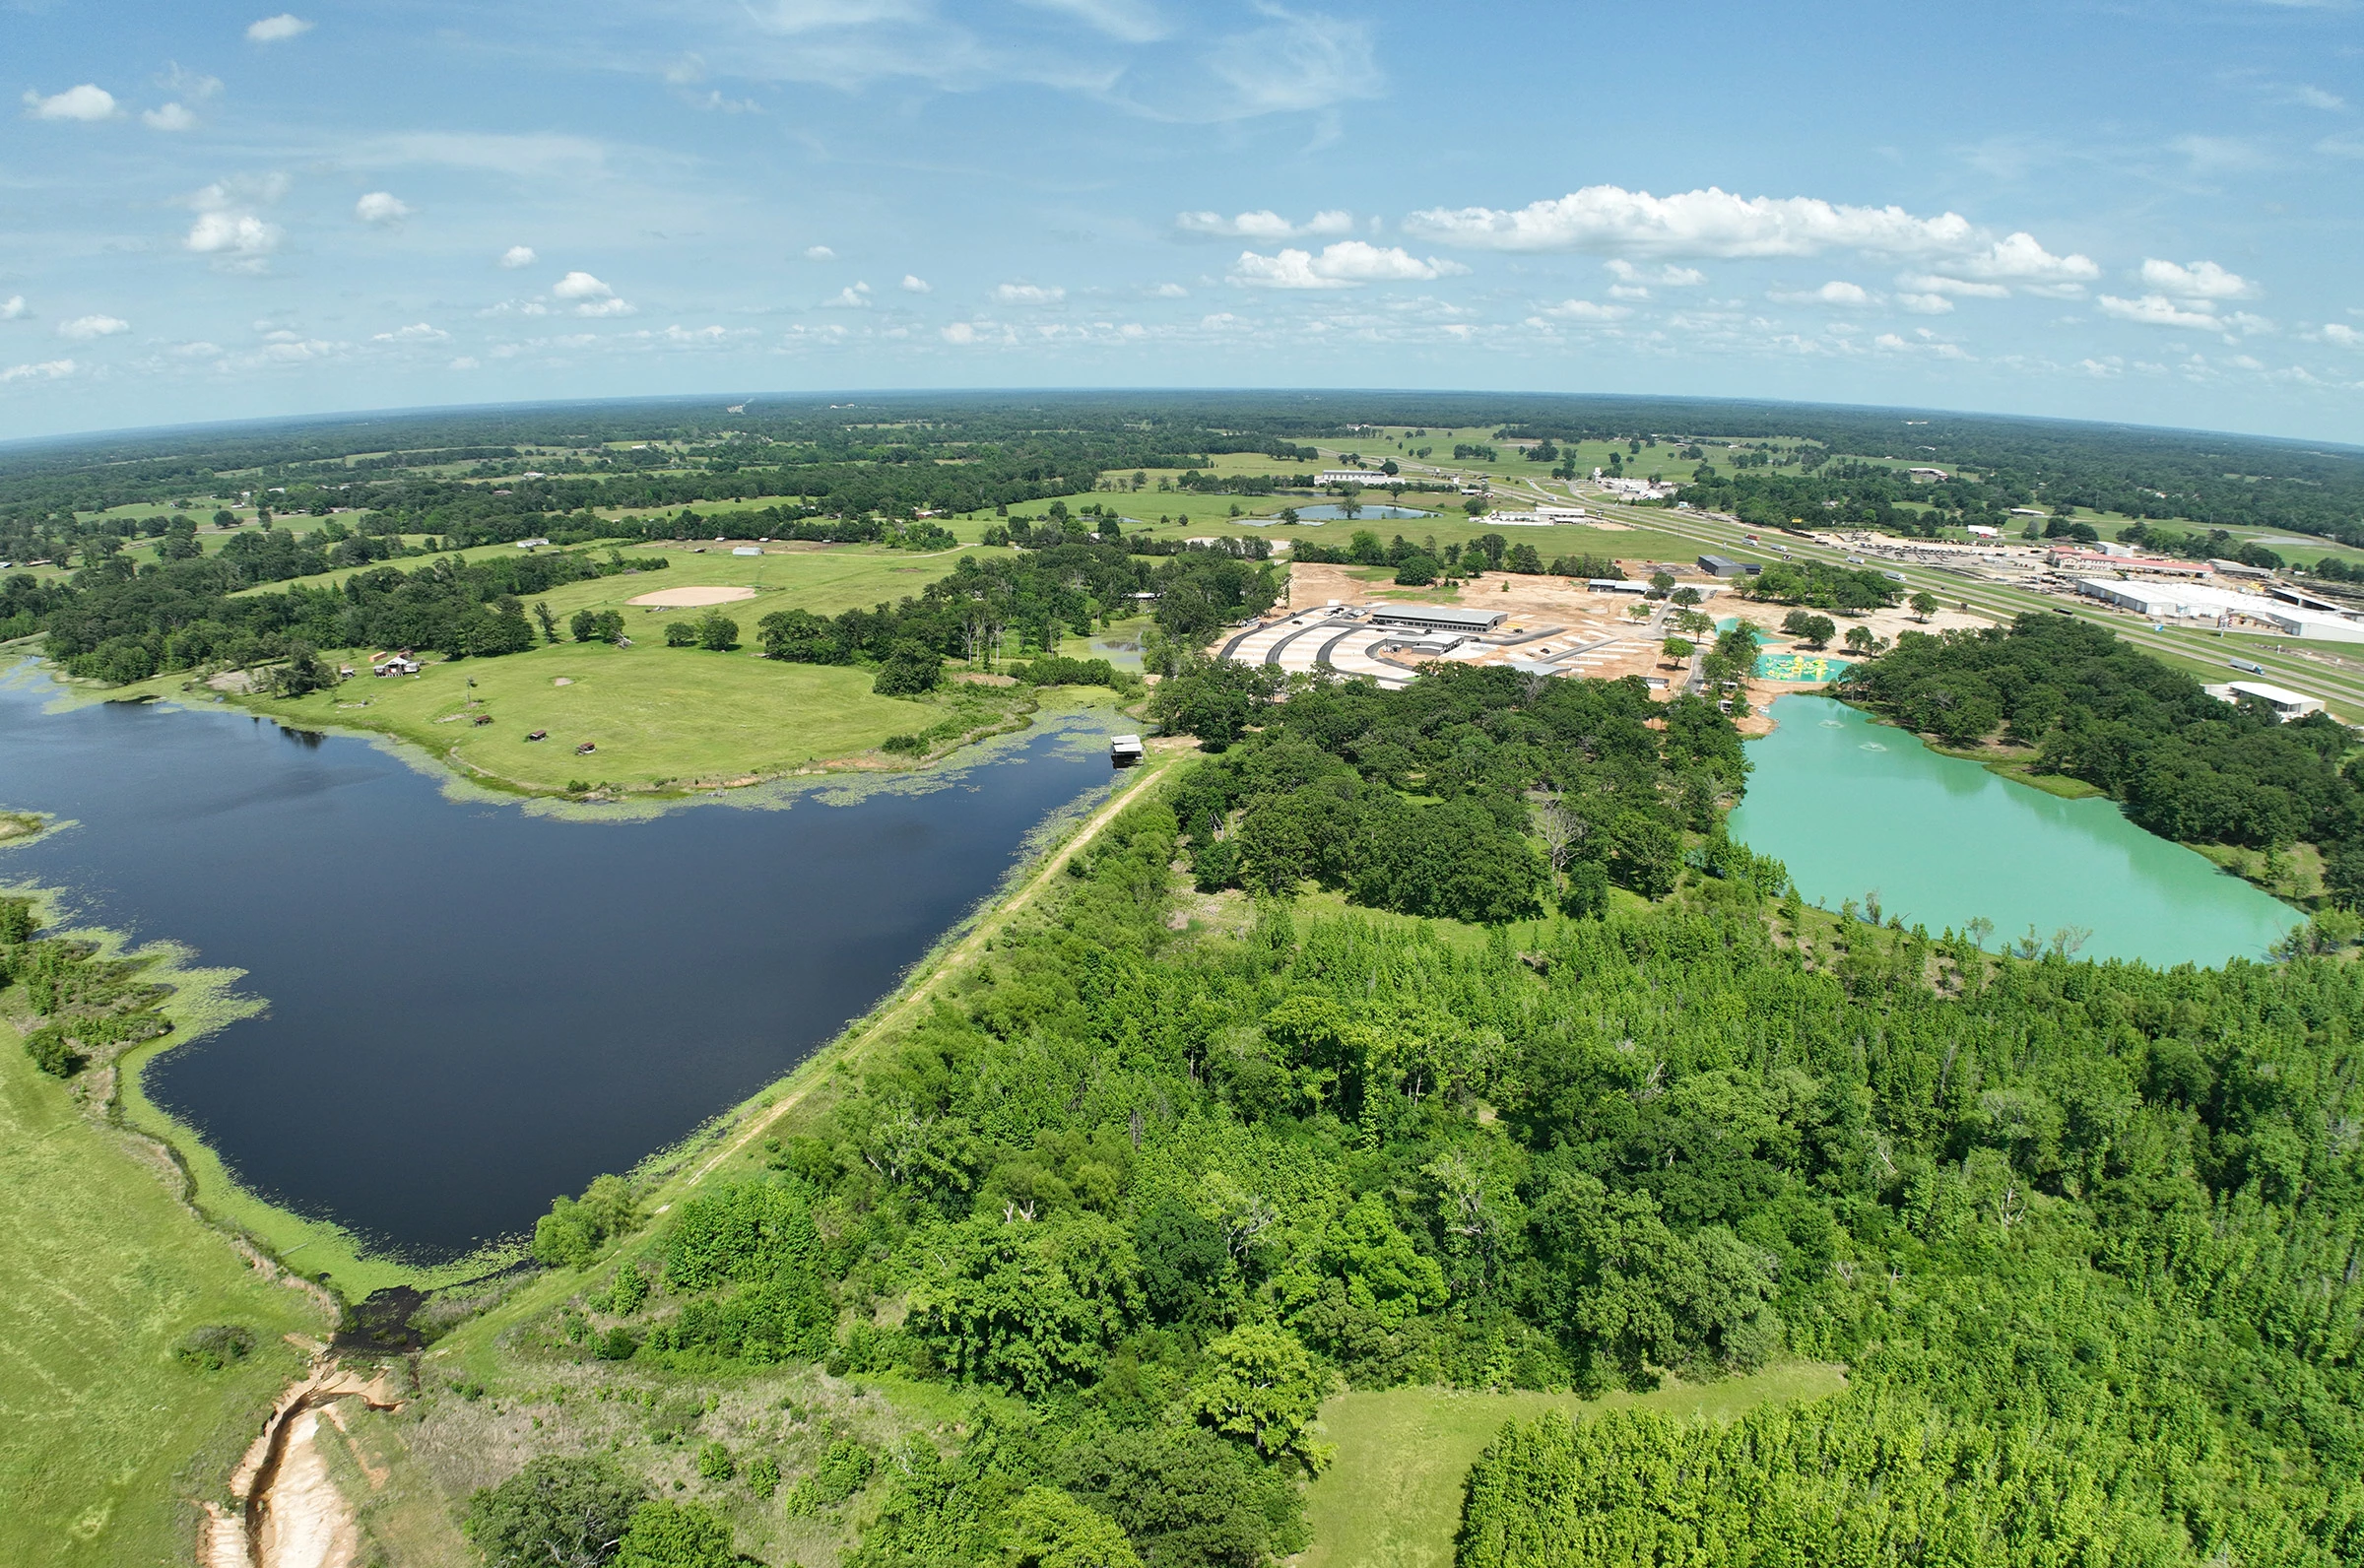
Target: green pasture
683,717
1393,1496
105,1439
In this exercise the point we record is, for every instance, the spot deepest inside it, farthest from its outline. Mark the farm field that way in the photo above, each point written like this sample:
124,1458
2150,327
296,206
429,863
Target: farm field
681,715
105,1439
1394,1494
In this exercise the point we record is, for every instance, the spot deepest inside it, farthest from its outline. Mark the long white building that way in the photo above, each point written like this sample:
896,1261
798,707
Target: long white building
2192,600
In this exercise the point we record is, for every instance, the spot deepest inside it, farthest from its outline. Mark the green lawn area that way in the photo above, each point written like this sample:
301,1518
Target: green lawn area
105,1438
1393,1497
656,713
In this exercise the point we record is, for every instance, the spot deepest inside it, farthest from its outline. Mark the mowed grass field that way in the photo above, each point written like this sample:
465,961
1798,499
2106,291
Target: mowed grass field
1393,1497
105,1438
683,715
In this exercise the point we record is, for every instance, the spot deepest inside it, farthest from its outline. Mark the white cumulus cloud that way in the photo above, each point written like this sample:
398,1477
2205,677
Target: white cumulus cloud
14,308
381,207
519,256
2157,310
853,297
1837,291
1028,294
914,283
416,332
49,369
1585,310
463,362
595,298
233,233
83,328
1666,276
168,118
1719,224
1926,305
88,102
2201,280
1961,288
2339,332
1170,291
277,29
1348,264
1264,224
819,253
960,332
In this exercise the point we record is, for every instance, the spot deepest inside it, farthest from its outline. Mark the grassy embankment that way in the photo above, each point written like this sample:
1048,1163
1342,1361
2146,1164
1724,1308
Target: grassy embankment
105,1439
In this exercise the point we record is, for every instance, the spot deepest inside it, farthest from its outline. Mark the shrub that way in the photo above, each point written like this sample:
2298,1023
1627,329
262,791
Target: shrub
680,634
557,1510
52,1052
1057,669
215,1346
675,1535
714,1463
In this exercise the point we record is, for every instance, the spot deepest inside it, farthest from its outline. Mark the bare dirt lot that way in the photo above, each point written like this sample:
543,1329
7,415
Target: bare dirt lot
691,598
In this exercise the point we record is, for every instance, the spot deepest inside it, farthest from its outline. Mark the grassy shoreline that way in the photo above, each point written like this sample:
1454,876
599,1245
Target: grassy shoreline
114,1256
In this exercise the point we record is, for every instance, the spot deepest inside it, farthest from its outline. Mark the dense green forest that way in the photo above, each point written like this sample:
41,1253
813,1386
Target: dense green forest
2185,765
900,453
2085,1234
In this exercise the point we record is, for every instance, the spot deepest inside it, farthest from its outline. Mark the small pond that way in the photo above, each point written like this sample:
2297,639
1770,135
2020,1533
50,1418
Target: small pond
1854,808
472,1006
1369,513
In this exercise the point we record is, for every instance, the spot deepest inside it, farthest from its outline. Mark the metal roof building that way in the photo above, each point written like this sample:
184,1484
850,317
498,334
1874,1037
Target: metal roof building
1437,617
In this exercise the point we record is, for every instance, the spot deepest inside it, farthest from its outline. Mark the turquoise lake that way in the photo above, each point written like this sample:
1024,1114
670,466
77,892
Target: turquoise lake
1856,808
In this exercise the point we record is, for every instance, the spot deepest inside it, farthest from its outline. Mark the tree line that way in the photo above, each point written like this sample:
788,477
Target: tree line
2185,765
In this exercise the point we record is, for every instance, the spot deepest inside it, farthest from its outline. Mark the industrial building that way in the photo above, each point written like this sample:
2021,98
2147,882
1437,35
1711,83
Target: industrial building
1352,476
1726,566
2289,704
1437,617
2185,601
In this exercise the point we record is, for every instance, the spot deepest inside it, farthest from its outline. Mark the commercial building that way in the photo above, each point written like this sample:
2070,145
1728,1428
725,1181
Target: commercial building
2118,560
1437,617
1726,566
2286,704
1352,476
2185,601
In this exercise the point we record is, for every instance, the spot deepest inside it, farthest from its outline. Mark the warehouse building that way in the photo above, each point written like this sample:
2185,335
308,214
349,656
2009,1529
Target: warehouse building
1437,617
2285,702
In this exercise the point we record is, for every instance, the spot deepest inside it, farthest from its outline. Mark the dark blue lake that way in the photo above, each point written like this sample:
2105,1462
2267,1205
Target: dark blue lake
471,1006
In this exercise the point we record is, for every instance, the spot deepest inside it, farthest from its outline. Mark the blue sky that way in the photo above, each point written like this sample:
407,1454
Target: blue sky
2142,211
